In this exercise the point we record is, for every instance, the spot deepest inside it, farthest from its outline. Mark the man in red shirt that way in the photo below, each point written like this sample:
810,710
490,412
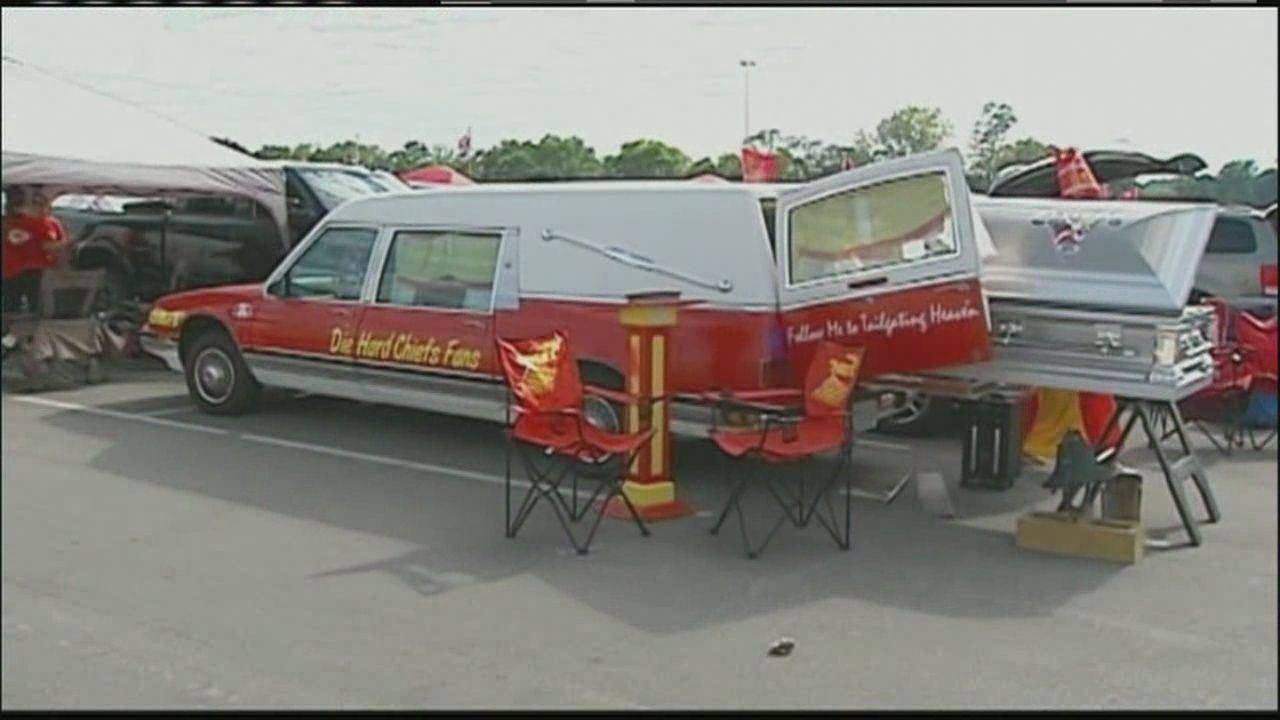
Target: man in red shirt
33,241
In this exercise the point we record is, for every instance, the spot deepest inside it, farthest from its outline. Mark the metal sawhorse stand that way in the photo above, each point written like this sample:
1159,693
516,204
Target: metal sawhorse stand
1176,472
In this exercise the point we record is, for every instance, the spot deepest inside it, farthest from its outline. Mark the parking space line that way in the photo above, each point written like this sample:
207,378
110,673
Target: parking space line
380,459
119,415
167,411
862,440
151,418
269,440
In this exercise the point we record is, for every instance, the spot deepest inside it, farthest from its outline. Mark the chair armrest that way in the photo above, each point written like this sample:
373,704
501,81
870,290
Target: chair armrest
729,402
621,396
618,396
775,395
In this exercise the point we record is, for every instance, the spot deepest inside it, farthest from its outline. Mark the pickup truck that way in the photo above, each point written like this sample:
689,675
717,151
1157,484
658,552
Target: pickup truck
150,247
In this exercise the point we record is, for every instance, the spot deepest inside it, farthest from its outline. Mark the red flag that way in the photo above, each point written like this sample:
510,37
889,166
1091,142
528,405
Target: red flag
1075,178
759,165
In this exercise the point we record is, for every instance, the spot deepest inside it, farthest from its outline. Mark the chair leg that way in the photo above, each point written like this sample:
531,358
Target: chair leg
755,552
541,487
506,459
1266,440
799,519
573,513
734,505
581,508
595,526
556,501
729,504
799,512
616,489
1224,448
620,491
839,532
848,508
527,504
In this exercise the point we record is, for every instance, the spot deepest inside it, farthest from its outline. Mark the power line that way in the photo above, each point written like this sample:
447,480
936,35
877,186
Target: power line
100,93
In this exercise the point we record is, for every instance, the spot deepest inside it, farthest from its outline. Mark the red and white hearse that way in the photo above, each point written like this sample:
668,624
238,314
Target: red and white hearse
398,298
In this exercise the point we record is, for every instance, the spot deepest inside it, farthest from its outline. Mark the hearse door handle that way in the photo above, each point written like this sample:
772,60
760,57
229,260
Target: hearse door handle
474,324
869,282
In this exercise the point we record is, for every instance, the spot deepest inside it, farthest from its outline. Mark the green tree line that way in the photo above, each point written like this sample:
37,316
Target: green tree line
992,146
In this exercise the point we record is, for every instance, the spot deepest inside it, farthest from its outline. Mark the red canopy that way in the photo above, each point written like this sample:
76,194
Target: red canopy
435,175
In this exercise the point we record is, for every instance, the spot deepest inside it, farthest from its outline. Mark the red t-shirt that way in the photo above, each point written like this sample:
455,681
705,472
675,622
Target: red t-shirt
29,243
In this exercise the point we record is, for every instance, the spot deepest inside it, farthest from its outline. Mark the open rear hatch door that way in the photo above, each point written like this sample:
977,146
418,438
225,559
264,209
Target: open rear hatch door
1092,296
884,257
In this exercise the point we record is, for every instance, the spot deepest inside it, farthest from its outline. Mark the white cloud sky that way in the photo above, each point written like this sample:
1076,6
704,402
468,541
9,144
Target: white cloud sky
1163,79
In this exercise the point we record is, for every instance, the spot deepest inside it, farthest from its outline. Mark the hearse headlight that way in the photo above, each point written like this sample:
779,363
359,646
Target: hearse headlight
161,319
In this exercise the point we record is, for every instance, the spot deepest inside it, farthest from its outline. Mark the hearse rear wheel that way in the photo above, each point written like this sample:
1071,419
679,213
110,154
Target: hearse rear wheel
217,378
921,416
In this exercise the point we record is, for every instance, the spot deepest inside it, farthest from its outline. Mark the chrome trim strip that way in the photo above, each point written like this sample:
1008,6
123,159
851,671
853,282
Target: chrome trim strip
626,257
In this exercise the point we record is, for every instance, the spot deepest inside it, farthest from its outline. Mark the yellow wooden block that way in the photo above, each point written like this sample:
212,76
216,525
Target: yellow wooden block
1062,534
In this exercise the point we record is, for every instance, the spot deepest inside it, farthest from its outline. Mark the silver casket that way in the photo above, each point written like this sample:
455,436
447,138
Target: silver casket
1092,296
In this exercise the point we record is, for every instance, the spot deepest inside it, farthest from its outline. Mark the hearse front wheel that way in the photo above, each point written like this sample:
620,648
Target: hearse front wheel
604,414
217,378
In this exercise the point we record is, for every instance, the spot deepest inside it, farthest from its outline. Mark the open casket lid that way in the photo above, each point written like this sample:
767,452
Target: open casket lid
1105,254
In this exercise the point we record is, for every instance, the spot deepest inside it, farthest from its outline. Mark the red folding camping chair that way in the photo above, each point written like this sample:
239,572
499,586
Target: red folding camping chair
544,386
795,426
1222,405
1257,339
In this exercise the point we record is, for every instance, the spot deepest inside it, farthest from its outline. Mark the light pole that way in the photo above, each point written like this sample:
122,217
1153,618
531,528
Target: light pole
746,66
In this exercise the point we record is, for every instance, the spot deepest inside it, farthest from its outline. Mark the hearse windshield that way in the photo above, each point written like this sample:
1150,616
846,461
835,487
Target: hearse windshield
334,187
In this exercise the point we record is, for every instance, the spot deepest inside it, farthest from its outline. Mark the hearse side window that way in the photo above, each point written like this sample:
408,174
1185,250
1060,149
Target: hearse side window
333,267
451,270
768,207
1232,236
871,227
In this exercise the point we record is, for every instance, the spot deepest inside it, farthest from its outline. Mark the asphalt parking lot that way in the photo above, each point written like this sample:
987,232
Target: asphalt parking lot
321,553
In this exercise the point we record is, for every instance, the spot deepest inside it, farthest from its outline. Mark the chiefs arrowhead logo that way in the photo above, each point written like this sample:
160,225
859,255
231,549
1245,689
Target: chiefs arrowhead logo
842,373
1069,232
18,236
539,365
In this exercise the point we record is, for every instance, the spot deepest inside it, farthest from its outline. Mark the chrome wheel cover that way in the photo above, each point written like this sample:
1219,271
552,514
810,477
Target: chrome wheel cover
215,375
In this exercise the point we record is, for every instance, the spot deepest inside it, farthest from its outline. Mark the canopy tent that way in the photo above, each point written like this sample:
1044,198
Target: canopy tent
435,175
70,139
